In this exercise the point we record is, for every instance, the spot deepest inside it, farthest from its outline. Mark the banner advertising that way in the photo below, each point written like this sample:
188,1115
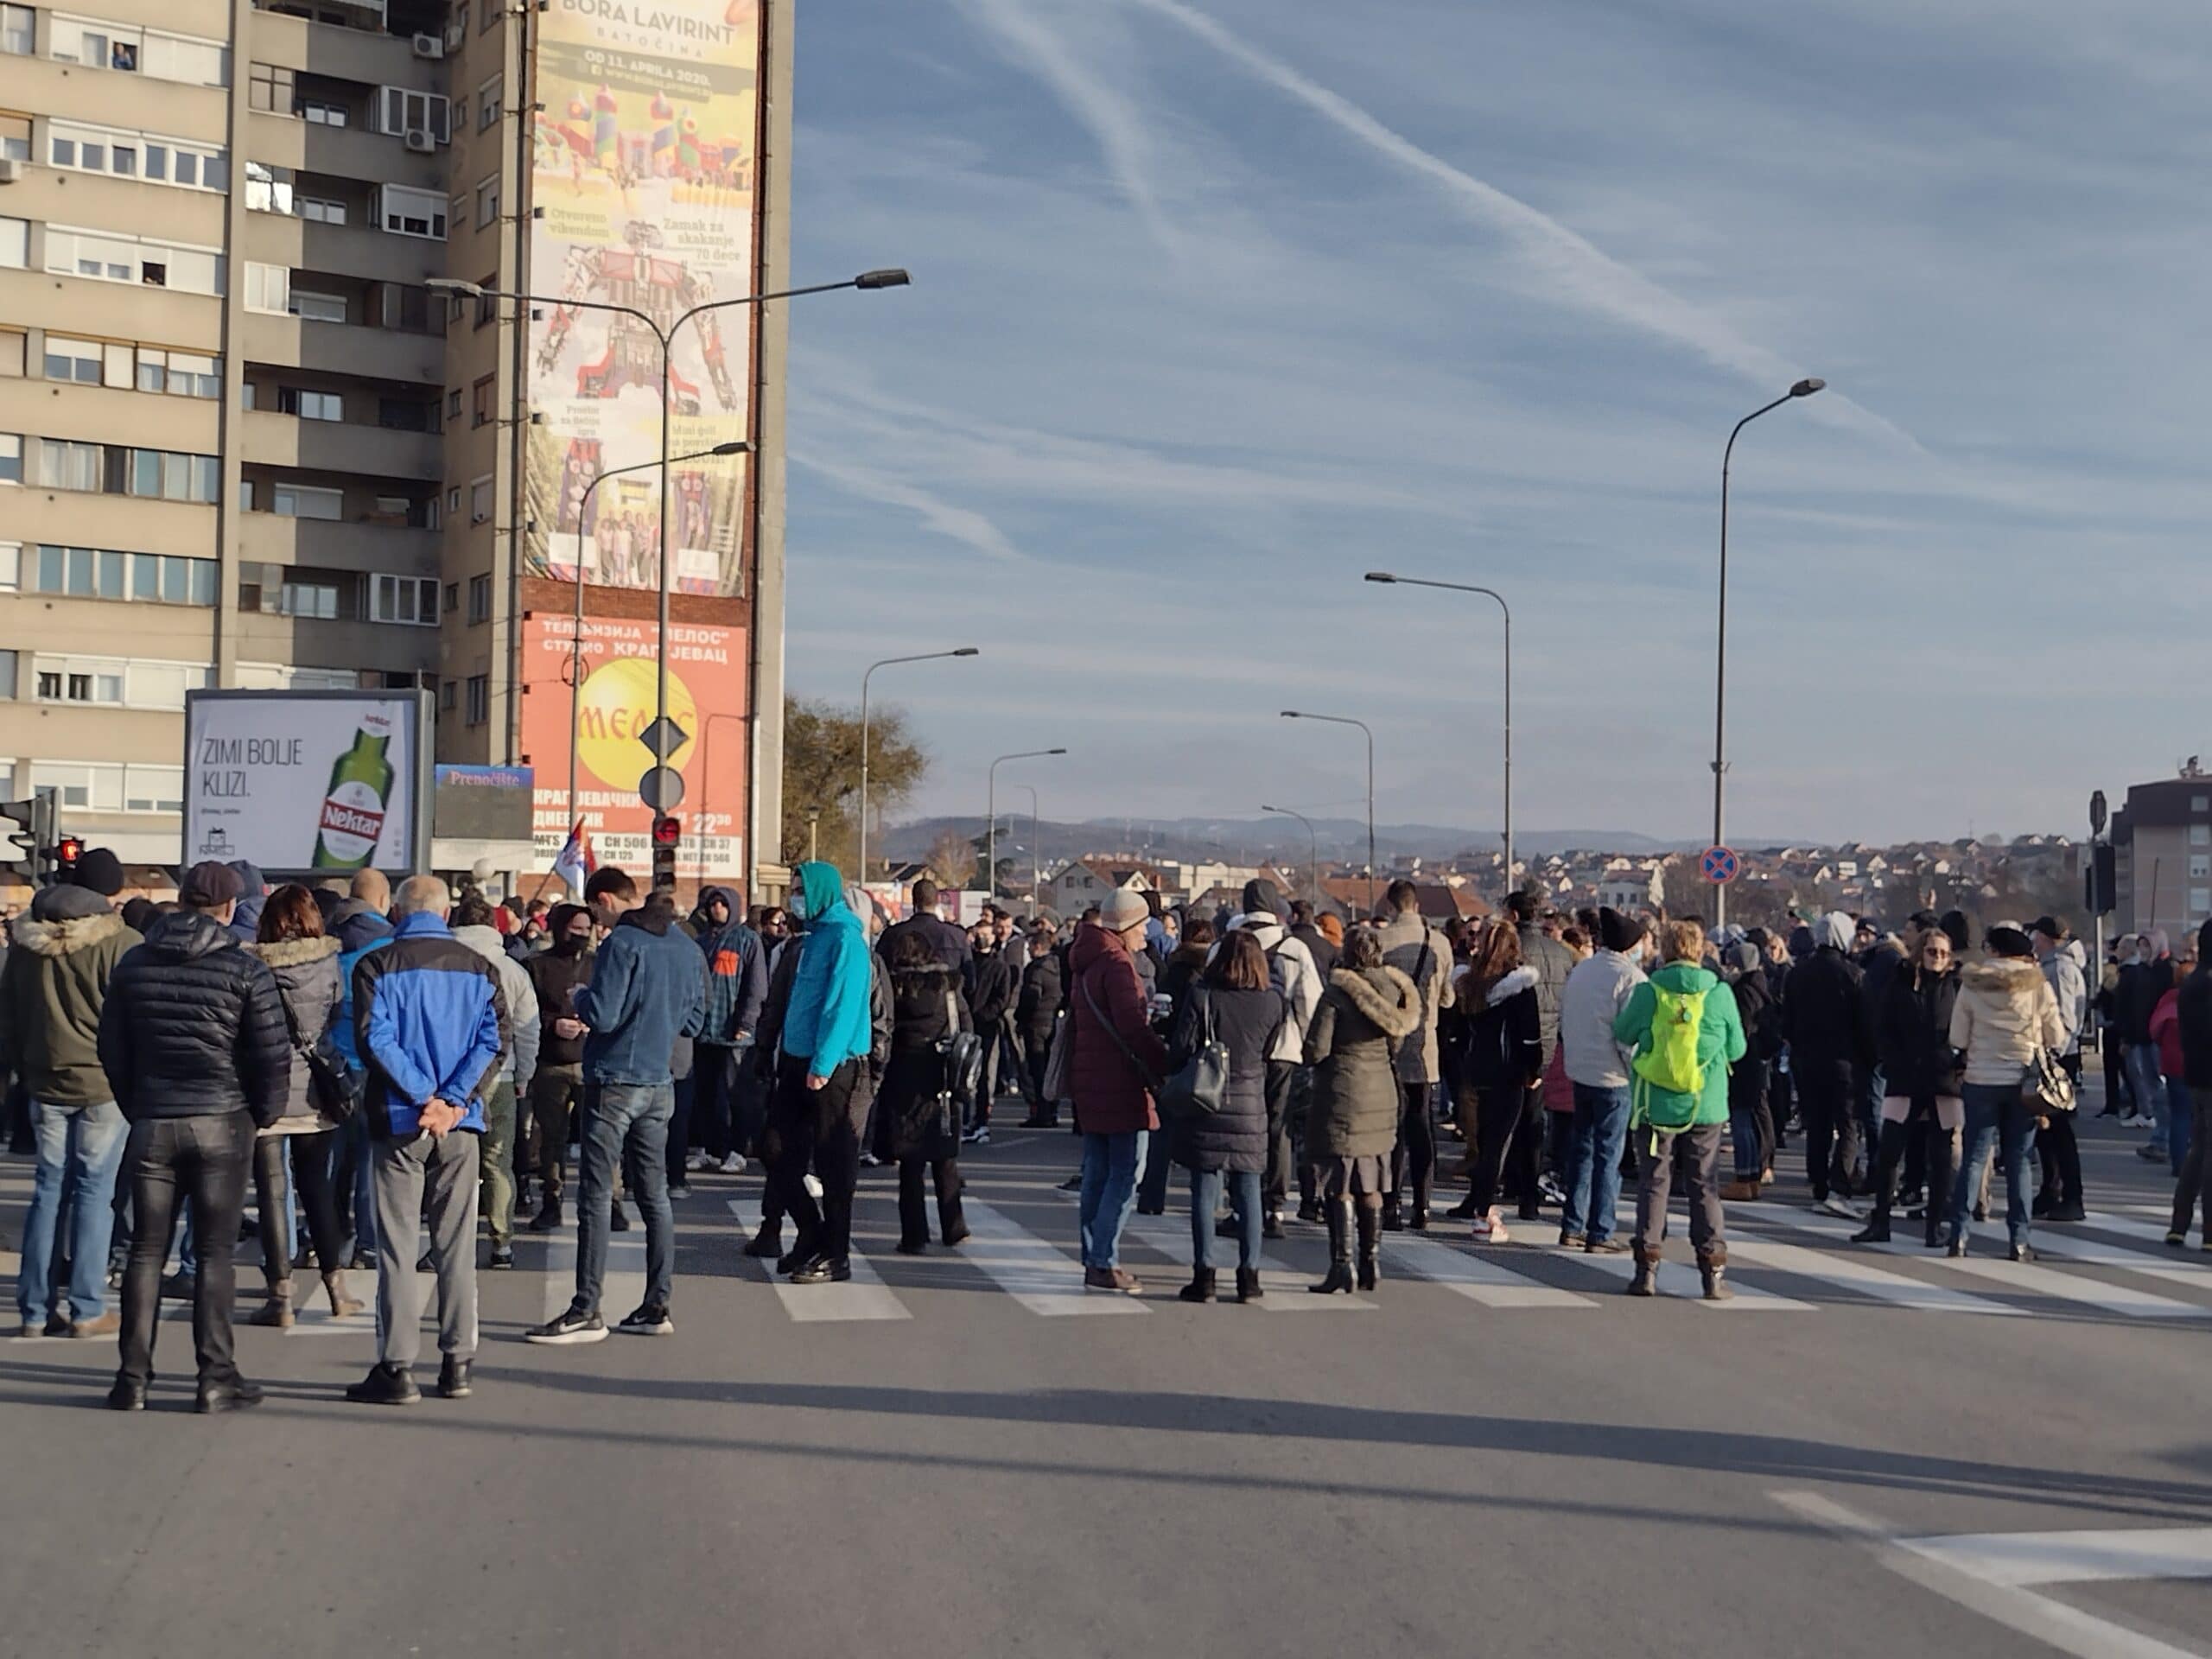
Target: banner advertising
706,697
643,181
304,781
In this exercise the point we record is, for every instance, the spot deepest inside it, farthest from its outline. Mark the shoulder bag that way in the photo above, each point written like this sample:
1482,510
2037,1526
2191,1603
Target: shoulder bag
962,1051
334,1087
1144,1072
2047,1088
1200,1086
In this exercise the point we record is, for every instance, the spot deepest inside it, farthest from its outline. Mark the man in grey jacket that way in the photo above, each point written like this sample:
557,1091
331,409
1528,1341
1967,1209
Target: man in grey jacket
1596,992
1290,968
1423,956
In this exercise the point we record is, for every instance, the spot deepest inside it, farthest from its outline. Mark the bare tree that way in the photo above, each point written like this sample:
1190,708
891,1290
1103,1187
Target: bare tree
952,859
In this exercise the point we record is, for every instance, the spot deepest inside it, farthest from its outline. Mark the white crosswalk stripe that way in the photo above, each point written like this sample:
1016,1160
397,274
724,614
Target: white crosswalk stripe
1478,1278
622,1288
1680,1279
1035,1274
1851,1272
864,1296
1285,1289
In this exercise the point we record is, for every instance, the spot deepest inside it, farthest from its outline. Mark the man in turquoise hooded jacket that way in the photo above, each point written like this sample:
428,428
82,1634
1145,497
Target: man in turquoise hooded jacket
825,1044
1668,1119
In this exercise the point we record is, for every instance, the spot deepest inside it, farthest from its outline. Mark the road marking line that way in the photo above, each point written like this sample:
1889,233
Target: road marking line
2180,1270
2027,1558
1681,1279
1035,1274
2153,1232
1284,1287
864,1296
1853,1274
1476,1277
2053,1623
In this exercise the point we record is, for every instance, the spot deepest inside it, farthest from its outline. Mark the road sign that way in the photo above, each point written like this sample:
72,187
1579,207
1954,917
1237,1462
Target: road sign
1719,865
662,739
662,789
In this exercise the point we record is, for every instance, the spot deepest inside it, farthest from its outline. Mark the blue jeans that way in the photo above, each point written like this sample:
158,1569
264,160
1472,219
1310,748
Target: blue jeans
2179,1114
1594,1161
1994,1115
1112,1165
2149,1087
628,1122
1244,1202
80,1149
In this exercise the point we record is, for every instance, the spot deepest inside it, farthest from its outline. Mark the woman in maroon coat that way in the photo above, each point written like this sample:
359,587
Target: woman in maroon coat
1115,1063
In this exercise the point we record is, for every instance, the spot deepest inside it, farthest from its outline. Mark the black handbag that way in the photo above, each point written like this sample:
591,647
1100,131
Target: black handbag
333,1088
1198,1087
962,1053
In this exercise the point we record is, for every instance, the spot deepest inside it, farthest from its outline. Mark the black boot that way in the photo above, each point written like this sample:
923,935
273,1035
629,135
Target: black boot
1200,1289
1337,1213
1887,1157
1370,1246
1392,1220
1247,1285
768,1242
1939,1176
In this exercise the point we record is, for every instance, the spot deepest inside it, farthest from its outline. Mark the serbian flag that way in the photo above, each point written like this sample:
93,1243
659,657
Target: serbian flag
575,864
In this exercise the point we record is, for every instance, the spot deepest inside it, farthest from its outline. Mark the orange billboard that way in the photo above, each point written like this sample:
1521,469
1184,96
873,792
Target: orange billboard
608,714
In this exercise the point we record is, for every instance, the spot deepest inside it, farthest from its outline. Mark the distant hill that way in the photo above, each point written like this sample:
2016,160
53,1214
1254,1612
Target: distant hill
1241,841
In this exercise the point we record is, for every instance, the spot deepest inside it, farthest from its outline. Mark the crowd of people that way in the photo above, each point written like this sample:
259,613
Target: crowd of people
385,1063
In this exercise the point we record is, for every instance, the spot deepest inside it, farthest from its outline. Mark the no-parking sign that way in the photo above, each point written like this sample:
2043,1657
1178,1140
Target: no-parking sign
1719,865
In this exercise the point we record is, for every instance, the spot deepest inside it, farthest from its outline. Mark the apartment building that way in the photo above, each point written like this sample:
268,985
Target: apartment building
2162,847
242,443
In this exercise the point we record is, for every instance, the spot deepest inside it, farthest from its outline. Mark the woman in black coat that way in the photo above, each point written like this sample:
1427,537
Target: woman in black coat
1178,980
915,1111
1232,1003
1921,1077
1504,1060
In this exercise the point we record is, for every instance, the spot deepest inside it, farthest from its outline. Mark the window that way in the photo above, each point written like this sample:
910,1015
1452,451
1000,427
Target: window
305,501
479,501
272,89
448,697
479,699
268,189
101,45
162,475
322,210
411,600
487,202
2200,866
405,415
73,359
400,113
153,788
11,458
322,112
15,243
15,137
481,406
488,103
8,682
317,308
2200,802
452,413
113,258
453,597
11,567
403,211
18,35
310,405
180,374
2200,835
488,303
66,465
108,149
92,787
300,591
480,600
483,24
268,288
2200,901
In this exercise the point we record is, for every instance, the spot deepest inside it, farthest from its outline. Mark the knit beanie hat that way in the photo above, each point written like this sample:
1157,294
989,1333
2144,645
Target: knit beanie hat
101,871
1619,932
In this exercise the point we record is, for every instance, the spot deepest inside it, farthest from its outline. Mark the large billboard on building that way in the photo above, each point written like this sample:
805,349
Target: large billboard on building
706,697
307,781
643,183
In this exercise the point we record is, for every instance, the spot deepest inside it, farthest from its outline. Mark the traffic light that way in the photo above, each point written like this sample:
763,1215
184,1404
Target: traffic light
66,851
2102,897
36,839
668,831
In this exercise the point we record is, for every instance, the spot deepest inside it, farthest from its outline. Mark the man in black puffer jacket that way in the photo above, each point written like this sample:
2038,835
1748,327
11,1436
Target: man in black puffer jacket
193,1040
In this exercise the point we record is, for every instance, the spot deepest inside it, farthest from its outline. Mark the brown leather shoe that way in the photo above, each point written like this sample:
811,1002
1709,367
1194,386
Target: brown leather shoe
1118,1280
1740,1193
107,1325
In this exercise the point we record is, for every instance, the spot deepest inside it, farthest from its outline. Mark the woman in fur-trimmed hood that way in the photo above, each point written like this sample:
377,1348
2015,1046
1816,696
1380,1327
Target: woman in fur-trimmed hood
1352,1123
2004,1016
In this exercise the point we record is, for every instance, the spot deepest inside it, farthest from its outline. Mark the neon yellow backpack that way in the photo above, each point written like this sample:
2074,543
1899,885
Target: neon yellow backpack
1670,1062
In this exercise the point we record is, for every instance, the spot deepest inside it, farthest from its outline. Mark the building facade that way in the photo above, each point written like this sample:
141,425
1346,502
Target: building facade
2162,853
247,440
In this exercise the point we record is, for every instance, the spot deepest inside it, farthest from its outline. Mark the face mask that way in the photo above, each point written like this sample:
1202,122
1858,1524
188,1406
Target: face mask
571,944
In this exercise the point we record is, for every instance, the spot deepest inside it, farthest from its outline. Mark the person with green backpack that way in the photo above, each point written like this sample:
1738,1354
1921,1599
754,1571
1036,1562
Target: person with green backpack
1683,1027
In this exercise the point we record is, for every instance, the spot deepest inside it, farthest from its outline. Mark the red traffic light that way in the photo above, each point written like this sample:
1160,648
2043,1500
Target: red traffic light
67,851
667,830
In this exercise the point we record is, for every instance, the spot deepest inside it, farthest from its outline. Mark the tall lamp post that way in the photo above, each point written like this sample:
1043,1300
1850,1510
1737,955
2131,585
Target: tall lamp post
576,638
1314,841
1036,851
457,288
1470,587
991,833
860,876
1346,719
1803,388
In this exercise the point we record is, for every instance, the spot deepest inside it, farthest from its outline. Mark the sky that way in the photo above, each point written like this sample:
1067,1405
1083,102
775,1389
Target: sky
1218,304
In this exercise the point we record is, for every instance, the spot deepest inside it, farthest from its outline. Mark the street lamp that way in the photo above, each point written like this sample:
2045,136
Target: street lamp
924,657
1803,388
991,832
1468,588
457,288
1346,719
1313,839
738,447
1036,852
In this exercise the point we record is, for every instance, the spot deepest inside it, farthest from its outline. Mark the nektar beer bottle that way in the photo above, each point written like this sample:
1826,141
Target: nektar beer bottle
353,811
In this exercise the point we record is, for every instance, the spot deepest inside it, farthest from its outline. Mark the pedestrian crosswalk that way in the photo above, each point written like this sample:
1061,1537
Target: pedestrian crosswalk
1783,1260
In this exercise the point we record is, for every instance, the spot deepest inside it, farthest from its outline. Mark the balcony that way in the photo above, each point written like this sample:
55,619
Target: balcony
82,519
80,305
55,409
276,440
344,545
345,348
385,646
359,251
366,55
342,152
100,201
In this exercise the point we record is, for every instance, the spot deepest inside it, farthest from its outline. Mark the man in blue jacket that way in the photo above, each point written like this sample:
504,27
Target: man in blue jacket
825,1040
648,989
430,1023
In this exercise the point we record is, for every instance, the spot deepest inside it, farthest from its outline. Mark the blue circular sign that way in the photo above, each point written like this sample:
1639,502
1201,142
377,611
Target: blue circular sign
1719,865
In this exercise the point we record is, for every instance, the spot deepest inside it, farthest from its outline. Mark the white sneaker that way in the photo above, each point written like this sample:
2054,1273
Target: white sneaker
735,1164
813,1185
1836,1205
697,1162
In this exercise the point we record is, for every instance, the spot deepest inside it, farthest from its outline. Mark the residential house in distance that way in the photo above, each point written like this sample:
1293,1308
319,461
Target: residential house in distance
1085,881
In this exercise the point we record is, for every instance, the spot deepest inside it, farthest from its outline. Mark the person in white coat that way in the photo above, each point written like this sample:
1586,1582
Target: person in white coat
1290,970
2063,964
1596,992
473,926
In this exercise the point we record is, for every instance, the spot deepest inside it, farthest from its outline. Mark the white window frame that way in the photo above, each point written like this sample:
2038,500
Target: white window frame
480,502
399,203
64,242
478,710
70,145
14,244
18,31
401,110
286,500
309,306
487,202
489,97
385,603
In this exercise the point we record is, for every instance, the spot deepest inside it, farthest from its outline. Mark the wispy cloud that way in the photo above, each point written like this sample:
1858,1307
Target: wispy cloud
962,524
1124,135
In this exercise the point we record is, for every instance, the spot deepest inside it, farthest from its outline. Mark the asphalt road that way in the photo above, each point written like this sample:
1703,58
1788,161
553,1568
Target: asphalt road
961,1455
